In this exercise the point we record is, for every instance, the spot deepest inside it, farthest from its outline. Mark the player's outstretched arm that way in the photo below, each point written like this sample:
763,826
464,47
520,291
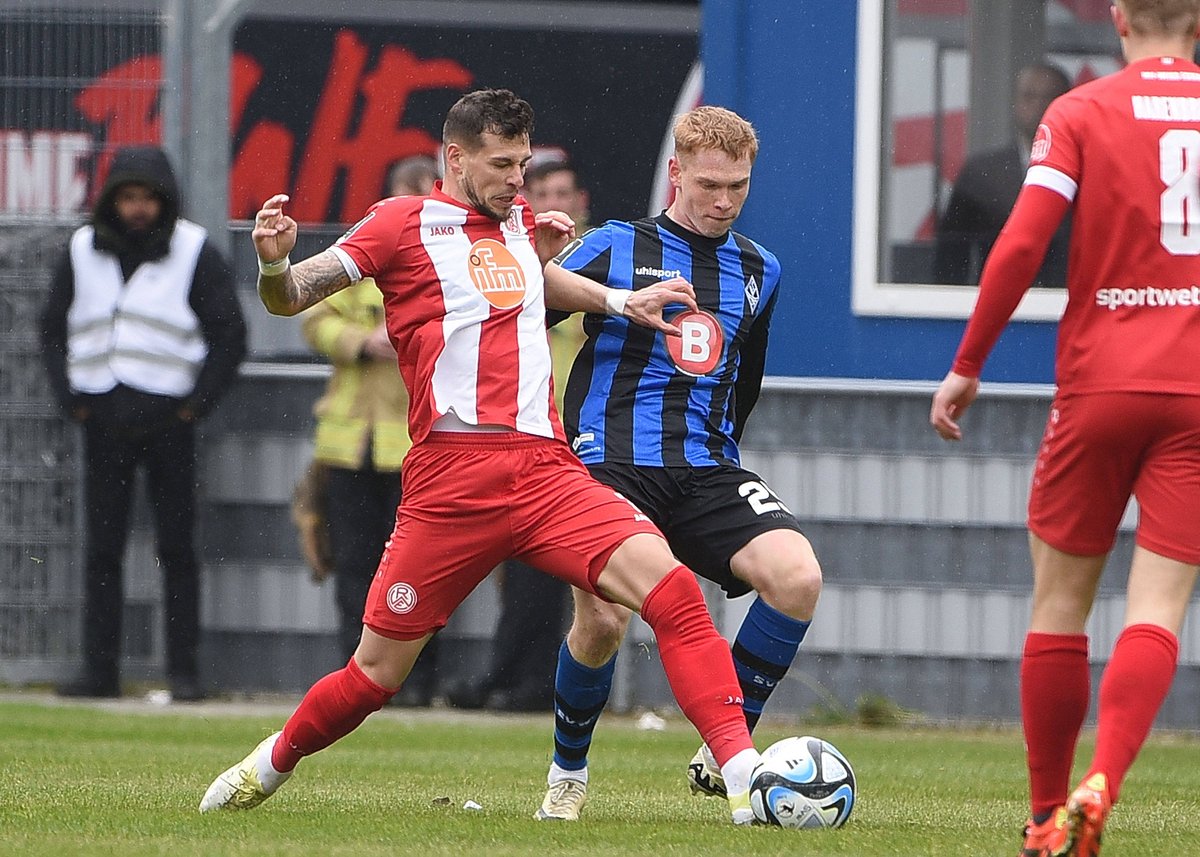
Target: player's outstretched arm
571,292
283,288
649,306
950,402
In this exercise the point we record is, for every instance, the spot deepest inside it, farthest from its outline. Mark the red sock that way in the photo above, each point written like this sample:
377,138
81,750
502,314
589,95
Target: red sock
332,709
1055,687
1135,683
698,663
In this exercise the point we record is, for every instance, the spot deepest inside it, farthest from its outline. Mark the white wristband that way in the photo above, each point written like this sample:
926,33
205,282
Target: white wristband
614,301
274,269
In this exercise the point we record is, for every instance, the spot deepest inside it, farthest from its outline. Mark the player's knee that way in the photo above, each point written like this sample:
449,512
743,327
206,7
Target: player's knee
596,634
791,584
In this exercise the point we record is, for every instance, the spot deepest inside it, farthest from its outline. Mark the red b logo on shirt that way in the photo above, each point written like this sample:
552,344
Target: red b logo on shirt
496,273
697,350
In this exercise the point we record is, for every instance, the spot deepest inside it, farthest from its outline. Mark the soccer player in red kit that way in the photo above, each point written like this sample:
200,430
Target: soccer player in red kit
490,474
1125,151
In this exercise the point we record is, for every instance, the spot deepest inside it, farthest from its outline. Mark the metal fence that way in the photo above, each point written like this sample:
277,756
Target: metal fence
72,89
75,84
39,568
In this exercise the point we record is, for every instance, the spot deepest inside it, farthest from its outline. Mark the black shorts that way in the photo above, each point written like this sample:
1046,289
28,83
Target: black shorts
707,513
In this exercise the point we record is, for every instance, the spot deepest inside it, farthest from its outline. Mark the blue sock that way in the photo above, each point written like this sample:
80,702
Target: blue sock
765,647
580,694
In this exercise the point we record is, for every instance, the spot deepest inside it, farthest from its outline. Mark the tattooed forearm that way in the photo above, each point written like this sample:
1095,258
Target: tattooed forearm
303,284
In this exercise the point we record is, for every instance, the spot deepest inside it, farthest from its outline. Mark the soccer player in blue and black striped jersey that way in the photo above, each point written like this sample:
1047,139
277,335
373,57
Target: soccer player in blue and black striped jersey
658,419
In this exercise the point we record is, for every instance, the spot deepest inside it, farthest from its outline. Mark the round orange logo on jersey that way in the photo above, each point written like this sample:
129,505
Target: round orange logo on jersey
698,348
496,273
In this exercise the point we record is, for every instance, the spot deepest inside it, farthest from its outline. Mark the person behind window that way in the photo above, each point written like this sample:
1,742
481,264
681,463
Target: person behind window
986,189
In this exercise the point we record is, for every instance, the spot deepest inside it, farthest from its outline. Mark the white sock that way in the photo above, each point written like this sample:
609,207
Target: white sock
557,775
268,777
737,771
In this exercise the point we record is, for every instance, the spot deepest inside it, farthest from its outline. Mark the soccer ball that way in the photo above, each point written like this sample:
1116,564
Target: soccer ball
802,782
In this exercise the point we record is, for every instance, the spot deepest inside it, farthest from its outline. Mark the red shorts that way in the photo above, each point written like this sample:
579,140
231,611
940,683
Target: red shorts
1101,448
471,501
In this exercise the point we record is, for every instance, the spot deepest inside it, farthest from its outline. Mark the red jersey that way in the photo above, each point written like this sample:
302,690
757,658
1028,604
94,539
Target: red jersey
464,302
1125,149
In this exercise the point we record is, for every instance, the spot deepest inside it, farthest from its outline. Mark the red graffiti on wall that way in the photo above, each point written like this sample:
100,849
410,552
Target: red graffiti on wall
356,133
125,101
364,152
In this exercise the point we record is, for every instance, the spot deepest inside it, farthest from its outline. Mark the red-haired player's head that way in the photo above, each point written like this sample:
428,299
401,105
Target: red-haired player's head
710,170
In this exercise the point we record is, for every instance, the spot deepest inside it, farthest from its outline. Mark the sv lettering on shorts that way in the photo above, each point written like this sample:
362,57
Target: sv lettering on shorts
760,498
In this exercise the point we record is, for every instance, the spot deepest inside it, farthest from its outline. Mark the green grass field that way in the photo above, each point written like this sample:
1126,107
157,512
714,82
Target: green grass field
125,779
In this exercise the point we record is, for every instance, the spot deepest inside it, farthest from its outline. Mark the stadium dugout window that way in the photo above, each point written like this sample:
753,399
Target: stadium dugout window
935,85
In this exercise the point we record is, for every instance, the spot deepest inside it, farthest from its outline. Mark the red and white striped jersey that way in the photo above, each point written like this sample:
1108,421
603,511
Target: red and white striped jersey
464,302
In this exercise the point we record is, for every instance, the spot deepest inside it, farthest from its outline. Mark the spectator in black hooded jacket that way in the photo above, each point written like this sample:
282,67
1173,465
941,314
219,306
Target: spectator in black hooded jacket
141,334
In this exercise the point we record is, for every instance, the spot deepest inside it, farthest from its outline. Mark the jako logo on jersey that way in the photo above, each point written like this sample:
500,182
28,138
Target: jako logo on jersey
1041,144
496,274
698,348
401,598
752,293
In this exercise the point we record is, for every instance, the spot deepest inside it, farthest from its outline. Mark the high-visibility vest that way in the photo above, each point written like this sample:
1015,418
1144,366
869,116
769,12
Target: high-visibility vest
142,333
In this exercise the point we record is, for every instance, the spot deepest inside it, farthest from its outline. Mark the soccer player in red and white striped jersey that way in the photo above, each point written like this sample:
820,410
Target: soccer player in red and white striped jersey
490,475
1125,152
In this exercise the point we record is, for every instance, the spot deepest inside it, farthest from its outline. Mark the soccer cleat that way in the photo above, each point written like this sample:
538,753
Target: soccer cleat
563,801
240,787
1087,810
704,775
739,809
1041,840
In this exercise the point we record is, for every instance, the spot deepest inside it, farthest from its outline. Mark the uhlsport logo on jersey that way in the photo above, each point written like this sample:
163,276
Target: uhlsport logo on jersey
401,598
698,348
496,273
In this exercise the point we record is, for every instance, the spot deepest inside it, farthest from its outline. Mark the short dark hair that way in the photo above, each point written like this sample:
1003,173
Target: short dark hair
1061,78
494,111
549,168
410,174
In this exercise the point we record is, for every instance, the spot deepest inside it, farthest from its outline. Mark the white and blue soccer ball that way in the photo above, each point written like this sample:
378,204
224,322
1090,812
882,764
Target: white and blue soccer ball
802,783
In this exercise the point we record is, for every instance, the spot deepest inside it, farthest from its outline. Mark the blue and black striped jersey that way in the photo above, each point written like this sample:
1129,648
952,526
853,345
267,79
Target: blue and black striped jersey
636,396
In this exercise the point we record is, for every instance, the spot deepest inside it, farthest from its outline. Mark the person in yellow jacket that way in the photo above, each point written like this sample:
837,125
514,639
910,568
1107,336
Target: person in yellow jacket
360,443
